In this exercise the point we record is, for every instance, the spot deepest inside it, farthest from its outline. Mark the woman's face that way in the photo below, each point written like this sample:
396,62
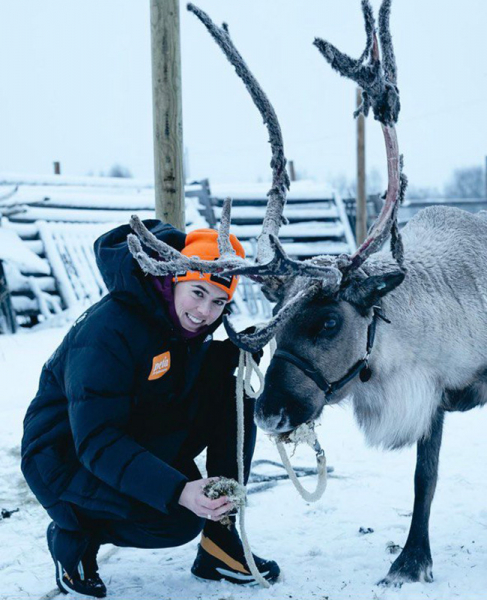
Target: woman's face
198,304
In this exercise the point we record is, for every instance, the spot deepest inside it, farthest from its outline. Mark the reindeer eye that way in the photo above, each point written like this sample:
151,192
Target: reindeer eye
325,328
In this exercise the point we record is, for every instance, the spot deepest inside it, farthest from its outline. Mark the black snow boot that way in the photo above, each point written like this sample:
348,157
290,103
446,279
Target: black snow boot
74,557
221,556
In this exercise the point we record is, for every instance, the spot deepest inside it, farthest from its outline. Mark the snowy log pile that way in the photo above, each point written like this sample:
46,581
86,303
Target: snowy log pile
46,239
317,220
50,224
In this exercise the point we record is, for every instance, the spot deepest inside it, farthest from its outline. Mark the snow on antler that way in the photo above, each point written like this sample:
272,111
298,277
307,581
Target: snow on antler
271,259
252,342
172,261
280,179
378,80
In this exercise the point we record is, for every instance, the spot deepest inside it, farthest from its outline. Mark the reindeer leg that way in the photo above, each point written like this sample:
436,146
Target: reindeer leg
415,562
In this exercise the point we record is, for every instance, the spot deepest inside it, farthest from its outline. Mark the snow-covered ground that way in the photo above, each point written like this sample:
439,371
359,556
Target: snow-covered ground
319,547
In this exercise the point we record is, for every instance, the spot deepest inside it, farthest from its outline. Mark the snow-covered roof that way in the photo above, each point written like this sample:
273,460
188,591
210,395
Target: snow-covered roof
303,189
291,211
14,179
87,199
308,229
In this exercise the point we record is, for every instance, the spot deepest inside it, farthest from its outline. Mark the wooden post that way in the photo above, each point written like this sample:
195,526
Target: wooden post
57,167
361,202
6,309
167,112
292,172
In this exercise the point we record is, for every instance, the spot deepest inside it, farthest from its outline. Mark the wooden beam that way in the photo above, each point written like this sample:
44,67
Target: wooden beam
167,112
361,208
292,171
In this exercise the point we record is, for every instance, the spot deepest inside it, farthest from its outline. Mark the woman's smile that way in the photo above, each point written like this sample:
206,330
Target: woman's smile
198,304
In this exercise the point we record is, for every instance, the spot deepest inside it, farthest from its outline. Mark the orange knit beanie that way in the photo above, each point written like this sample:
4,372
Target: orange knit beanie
203,243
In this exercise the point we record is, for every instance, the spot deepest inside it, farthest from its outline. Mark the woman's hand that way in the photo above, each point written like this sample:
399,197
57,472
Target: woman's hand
193,498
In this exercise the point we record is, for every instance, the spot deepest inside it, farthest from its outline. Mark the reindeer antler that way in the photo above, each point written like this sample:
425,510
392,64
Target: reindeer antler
280,179
263,334
228,263
271,259
378,81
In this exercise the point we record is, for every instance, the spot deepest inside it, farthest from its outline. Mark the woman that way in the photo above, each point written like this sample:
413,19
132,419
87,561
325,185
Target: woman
134,393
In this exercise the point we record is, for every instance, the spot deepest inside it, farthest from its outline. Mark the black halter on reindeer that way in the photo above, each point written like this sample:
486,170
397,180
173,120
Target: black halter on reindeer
401,331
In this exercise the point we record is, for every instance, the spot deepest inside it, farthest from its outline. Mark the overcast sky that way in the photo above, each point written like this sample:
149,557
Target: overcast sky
75,86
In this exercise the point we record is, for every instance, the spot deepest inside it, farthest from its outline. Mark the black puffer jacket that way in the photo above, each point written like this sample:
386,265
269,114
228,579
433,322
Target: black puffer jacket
116,399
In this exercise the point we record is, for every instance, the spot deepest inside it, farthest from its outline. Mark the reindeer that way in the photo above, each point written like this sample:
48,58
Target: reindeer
402,331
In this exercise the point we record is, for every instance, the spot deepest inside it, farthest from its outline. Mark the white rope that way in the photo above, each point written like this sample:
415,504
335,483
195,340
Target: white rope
305,433
322,475
241,383
312,441
247,366
252,367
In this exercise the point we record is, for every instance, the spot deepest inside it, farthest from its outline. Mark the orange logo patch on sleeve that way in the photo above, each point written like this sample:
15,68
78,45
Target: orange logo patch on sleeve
160,365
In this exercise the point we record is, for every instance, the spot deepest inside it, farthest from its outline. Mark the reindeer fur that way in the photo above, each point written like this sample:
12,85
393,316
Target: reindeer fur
431,358
437,341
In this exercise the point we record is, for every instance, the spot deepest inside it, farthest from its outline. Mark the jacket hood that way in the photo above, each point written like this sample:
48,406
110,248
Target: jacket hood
122,274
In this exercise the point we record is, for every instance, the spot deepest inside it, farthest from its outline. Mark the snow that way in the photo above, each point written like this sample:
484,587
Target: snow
85,199
14,251
25,230
79,215
318,546
292,211
20,283
69,248
14,179
310,249
79,196
300,190
308,229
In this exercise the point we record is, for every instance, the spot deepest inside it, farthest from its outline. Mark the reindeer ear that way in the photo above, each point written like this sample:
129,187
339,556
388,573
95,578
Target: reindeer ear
274,288
365,293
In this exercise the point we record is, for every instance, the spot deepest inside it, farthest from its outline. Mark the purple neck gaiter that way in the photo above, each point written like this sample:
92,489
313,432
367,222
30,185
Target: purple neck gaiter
164,288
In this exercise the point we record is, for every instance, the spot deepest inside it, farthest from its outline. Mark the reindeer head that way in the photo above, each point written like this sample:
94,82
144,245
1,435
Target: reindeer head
322,349
326,311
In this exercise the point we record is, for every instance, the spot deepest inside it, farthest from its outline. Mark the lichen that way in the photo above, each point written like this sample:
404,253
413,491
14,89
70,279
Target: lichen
304,434
230,488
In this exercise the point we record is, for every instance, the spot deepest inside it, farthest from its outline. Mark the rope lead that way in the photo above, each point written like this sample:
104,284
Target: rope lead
305,433
244,383
320,466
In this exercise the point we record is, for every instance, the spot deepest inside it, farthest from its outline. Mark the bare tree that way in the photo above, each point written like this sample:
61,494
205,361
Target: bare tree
416,192
118,170
466,183
347,186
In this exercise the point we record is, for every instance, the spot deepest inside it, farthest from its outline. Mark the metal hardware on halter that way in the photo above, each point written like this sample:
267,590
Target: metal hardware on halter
360,368
320,453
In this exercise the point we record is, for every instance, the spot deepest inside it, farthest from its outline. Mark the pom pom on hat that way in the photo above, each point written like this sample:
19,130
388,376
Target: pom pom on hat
203,243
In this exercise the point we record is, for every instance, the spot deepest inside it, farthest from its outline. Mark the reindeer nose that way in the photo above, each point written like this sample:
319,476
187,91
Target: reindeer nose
278,423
